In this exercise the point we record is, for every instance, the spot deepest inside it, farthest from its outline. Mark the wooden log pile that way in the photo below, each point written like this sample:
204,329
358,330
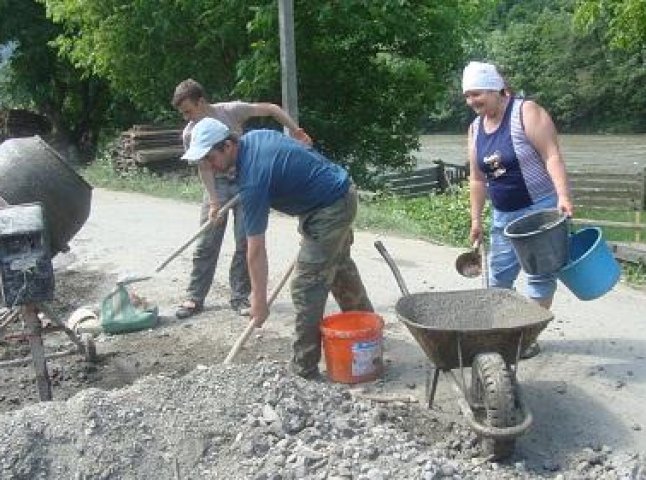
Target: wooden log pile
23,123
150,146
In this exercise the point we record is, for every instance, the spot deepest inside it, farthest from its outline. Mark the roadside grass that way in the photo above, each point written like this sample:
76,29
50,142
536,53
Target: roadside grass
612,233
100,173
442,219
635,274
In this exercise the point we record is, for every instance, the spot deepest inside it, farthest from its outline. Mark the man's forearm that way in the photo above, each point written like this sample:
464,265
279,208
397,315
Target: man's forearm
258,268
208,180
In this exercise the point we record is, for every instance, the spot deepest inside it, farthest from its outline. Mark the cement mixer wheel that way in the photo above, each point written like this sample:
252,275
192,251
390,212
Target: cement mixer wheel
492,389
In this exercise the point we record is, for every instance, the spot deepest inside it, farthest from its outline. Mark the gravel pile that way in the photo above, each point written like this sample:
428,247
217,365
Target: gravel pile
255,422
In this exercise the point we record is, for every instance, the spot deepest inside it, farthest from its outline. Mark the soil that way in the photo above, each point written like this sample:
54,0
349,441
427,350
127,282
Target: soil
585,388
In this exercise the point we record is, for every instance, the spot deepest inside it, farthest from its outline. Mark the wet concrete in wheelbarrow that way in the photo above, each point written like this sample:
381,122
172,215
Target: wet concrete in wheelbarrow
479,309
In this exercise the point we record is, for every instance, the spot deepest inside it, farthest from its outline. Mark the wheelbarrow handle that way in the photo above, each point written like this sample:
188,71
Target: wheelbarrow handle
221,213
391,263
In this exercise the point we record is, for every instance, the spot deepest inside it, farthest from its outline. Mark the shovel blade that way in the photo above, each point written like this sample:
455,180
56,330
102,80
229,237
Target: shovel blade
128,279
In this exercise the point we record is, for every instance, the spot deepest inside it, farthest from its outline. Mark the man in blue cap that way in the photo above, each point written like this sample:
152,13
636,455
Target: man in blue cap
275,171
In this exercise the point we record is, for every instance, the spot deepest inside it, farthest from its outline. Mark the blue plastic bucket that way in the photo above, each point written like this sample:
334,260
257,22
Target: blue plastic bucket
592,270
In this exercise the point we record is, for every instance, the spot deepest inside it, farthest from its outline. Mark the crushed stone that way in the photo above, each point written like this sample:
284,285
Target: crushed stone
257,422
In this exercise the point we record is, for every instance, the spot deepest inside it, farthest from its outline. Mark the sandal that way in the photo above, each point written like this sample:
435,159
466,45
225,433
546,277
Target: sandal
188,309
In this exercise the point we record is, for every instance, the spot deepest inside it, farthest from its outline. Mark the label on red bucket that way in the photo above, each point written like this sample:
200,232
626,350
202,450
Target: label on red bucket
366,356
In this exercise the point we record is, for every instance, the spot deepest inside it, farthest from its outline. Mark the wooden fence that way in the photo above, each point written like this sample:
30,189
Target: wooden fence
434,179
23,123
614,191
590,190
611,191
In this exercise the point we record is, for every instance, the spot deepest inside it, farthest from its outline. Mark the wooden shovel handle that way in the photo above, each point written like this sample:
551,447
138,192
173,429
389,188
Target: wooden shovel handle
221,212
252,323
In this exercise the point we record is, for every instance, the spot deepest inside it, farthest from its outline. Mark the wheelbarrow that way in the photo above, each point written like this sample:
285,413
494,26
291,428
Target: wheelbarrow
485,329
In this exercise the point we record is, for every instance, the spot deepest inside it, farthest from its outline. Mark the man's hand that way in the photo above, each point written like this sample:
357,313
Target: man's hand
259,312
302,136
258,270
214,208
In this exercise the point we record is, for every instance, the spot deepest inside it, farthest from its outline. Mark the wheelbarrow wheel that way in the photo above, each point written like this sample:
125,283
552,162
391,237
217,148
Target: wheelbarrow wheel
492,393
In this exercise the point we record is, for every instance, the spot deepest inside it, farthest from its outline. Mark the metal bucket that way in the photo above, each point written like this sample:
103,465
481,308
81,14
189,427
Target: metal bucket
31,171
541,241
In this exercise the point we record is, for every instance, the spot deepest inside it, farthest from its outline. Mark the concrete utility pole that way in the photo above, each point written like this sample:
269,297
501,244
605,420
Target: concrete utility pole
288,57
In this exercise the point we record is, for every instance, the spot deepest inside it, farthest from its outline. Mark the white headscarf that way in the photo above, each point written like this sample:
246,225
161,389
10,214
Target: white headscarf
481,76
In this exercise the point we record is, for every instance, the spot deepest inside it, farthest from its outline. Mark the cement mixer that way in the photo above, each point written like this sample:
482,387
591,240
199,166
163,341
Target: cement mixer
44,203
31,171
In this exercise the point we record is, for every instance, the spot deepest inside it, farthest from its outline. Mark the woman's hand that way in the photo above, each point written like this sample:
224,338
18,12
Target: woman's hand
476,233
565,206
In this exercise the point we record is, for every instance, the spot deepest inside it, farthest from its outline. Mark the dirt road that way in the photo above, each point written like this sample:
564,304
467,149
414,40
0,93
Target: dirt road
586,388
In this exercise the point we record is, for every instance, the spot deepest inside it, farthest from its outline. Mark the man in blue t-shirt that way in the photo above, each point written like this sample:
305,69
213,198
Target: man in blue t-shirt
274,171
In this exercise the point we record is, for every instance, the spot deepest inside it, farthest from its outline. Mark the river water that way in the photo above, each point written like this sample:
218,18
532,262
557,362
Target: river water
618,153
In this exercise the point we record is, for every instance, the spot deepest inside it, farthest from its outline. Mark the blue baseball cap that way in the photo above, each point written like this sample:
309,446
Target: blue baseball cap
205,134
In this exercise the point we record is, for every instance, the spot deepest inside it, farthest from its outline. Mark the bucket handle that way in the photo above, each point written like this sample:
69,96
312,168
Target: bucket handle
393,267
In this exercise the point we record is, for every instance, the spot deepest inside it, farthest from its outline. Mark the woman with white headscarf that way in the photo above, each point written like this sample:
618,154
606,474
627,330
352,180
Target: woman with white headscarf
516,162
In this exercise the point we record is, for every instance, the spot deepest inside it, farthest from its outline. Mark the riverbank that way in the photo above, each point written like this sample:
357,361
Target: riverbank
618,153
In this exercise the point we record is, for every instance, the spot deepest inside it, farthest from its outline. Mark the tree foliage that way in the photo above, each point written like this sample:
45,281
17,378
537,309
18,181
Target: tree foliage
584,84
624,21
144,48
367,71
35,76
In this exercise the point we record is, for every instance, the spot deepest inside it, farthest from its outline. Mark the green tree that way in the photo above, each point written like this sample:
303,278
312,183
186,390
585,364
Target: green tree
584,85
624,21
144,48
35,77
368,71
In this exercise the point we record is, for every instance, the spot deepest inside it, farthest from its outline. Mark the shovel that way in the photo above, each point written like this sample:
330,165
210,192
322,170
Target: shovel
221,213
120,304
252,323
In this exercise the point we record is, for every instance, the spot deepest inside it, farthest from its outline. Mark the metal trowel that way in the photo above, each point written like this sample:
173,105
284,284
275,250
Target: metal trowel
469,264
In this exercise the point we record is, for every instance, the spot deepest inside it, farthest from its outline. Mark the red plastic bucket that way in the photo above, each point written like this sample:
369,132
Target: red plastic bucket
353,346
